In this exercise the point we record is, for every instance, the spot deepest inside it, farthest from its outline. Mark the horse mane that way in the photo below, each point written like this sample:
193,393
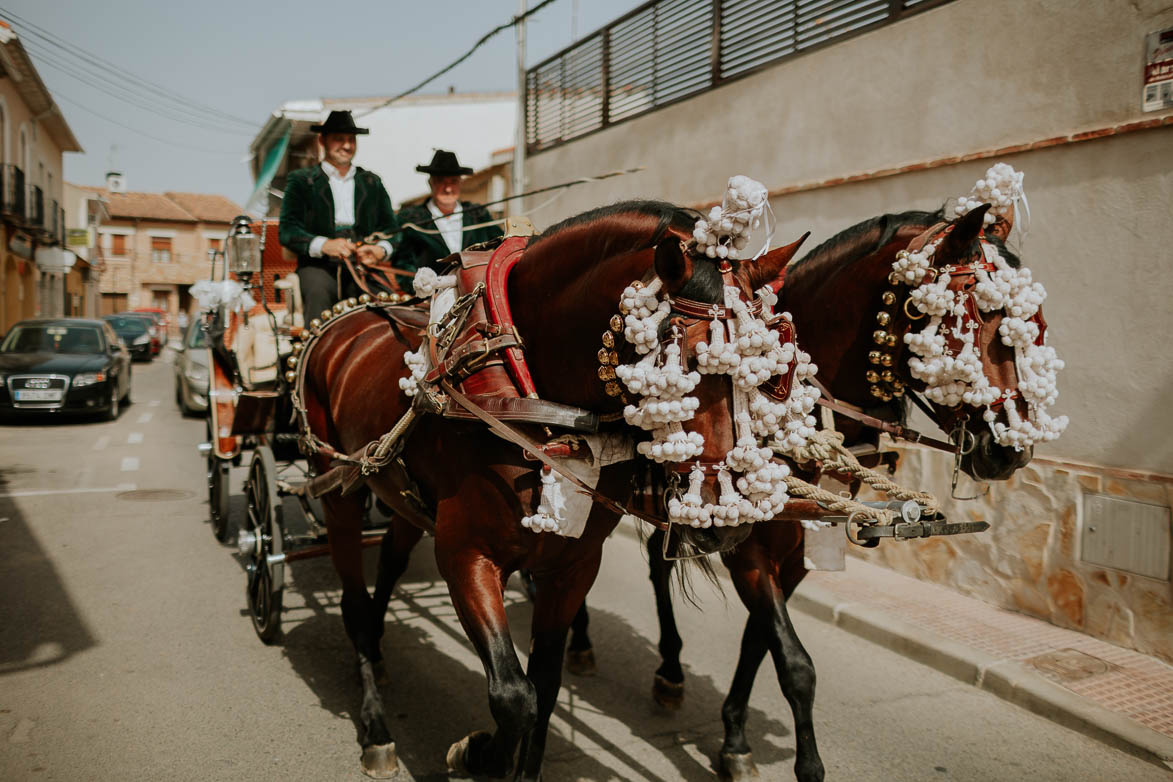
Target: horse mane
861,239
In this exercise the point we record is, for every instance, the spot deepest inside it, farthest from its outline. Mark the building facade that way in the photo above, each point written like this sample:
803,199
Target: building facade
155,245
33,138
906,110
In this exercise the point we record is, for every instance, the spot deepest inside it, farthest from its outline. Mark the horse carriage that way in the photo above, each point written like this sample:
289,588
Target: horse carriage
254,318
501,413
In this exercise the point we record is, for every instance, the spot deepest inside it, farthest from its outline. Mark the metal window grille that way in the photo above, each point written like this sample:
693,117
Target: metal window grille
668,50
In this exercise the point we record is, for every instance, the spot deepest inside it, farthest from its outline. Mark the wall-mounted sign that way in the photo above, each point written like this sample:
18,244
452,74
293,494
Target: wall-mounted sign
1157,92
20,243
78,237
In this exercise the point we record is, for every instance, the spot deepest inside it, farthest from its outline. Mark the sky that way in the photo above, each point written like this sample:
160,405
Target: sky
232,62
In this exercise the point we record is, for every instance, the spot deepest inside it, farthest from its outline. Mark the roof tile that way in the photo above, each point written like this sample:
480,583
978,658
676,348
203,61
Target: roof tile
206,208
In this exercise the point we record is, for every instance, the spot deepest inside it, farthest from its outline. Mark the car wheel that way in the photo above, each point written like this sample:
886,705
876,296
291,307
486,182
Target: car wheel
115,407
126,398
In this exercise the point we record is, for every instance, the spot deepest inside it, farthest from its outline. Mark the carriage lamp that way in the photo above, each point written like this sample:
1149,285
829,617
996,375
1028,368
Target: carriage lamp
244,250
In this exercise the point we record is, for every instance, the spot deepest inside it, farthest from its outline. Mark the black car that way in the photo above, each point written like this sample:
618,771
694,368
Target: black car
136,332
63,365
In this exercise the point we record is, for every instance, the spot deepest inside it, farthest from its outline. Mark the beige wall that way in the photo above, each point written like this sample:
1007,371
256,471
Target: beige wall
970,76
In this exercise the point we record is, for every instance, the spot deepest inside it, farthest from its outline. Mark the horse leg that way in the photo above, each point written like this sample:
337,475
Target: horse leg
668,684
580,655
475,587
768,628
364,626
557,596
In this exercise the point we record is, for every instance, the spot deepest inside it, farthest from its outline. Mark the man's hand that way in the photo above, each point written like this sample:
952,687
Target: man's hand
338,248
371,254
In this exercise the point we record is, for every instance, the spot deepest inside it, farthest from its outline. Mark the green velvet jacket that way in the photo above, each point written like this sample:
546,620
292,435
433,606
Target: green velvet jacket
417,250
307,211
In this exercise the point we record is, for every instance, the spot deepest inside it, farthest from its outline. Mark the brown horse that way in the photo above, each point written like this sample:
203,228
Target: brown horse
833,294
563,293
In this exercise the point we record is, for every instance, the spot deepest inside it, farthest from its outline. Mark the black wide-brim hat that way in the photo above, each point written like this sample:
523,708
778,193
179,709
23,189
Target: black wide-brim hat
339,122
444,163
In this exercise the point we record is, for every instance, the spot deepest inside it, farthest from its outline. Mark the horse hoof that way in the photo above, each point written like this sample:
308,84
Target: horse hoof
458,752
581,662
737,767
379,761
668,694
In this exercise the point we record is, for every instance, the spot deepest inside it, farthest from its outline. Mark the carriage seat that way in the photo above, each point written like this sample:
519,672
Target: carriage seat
258,349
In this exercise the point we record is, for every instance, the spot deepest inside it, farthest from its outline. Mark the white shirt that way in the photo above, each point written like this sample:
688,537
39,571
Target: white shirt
342,189
451,227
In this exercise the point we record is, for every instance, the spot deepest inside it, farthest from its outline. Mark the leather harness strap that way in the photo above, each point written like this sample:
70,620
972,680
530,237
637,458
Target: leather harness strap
534,449
828,401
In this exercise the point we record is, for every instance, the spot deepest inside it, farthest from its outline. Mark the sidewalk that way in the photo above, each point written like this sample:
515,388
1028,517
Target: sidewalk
1112,694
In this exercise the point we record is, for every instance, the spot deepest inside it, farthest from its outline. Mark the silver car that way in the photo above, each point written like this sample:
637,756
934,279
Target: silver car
191,371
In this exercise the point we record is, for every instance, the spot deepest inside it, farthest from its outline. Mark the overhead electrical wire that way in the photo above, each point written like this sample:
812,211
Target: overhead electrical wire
120,93
116,71
483,39
170,142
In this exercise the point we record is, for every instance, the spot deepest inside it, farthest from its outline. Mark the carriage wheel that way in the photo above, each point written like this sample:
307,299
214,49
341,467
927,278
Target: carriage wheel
217,490
262,541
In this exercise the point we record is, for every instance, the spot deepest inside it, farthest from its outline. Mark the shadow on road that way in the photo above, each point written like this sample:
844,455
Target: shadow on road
39,624
433,698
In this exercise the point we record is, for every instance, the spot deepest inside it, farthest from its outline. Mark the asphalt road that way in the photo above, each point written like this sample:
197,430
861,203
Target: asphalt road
125,652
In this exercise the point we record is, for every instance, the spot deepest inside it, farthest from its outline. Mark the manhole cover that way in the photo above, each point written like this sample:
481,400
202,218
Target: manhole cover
155,495
1070,665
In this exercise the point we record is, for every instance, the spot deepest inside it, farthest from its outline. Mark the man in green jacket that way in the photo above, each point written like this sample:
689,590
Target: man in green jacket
326,212
443,224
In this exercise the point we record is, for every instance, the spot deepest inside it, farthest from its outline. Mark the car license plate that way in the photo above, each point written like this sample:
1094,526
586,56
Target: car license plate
38,395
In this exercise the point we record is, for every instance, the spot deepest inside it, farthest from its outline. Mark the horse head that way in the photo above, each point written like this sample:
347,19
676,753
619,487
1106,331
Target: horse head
973,326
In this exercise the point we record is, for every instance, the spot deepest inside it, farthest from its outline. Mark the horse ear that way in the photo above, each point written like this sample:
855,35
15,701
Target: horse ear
965,230
673,264
767,268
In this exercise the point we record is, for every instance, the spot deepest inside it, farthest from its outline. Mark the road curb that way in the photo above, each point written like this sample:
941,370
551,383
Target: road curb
1009,680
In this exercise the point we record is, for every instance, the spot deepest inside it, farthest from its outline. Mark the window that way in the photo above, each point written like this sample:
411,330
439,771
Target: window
118,245
216,244
161,249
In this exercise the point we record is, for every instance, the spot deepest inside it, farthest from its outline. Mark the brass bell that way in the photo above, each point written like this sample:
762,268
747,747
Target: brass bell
606,373
872,376
883,318
315,323
365,298
339,307
894,278
886,359
890,340
612,388
885,396
290,376
384,295
613,357
616,324
888,297
875,356
326,315
604,356
897,385
298,347
352,302
879,336
608,339
898,391
292,362
887,376
876,390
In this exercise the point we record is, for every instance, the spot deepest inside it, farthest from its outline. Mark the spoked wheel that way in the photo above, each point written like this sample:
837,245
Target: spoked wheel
217,490
261,541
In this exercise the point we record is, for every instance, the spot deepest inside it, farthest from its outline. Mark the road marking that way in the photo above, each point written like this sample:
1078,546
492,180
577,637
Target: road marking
129,464
101,443
153,403
45,492
134,438
145,418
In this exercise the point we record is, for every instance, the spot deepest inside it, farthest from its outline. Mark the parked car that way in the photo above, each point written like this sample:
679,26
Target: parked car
63,365
162,319
157,330
191,371
135,332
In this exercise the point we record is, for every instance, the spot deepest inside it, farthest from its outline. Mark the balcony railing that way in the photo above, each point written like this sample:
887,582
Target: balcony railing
52,215
61,225
12,191
36,207
667,51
